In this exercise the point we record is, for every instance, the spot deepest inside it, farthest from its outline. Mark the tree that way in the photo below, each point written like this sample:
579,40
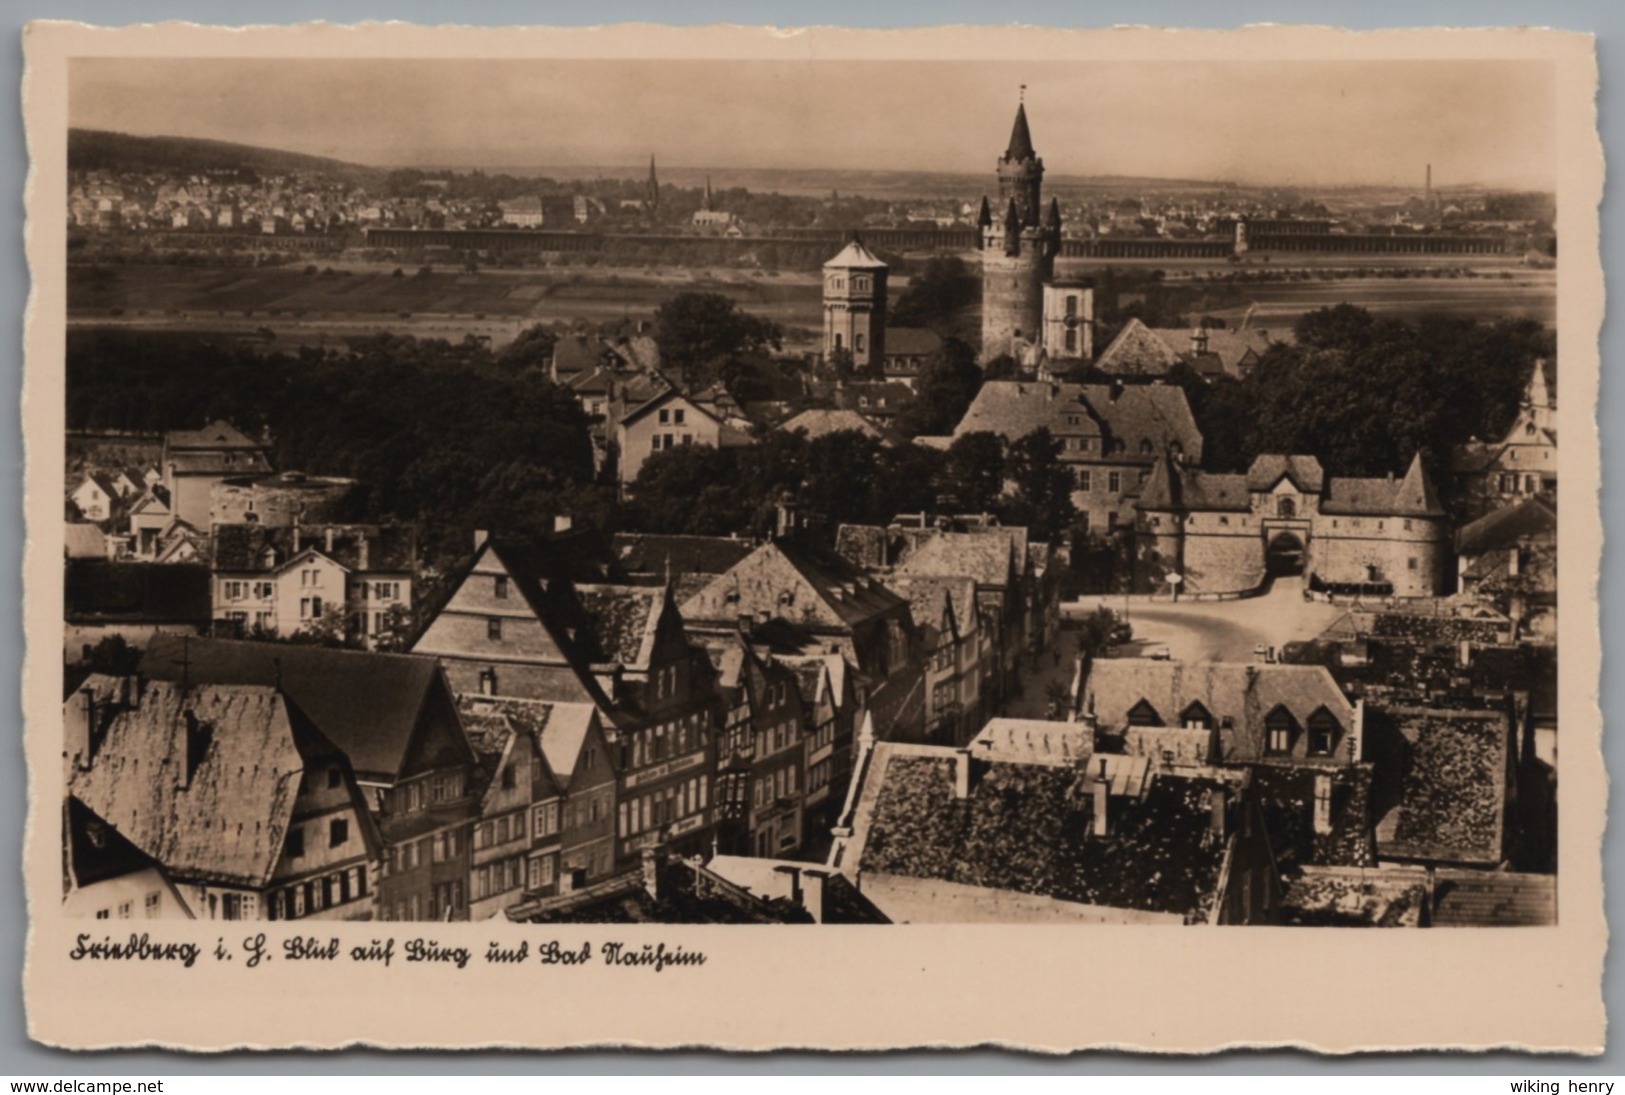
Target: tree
939,296
947,383
1101,630
1002,367
973,473
1042,499
698,332
532,349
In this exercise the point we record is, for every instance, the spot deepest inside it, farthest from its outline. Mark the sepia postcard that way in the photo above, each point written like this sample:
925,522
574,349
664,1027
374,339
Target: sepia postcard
757,538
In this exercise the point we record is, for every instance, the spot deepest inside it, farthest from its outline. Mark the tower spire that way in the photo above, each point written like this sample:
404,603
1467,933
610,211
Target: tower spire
1021,138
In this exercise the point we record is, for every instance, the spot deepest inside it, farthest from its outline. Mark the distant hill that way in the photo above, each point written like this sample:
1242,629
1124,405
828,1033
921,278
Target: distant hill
98,149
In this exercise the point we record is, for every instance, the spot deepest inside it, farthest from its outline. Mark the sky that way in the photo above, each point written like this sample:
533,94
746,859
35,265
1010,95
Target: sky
1262,122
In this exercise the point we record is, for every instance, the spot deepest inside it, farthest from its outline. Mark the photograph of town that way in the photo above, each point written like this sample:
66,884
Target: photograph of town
828,492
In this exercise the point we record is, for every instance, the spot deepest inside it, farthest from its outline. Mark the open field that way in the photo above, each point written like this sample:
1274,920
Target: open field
357,299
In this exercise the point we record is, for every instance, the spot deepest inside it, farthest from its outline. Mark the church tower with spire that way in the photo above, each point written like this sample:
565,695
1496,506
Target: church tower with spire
651,189
1019,239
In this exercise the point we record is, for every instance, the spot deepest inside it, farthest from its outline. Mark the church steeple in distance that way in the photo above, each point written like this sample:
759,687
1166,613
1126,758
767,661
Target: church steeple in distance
651,194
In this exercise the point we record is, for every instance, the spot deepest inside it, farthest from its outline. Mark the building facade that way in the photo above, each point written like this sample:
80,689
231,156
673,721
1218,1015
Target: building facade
1285,518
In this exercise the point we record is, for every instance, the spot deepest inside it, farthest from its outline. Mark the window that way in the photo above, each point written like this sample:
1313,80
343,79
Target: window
1323,731
126,910
1279,728
1407,524
1196,717
296,843
154,900
1410,563
1286,507
665,417
1071,338
1146,448
1114,482
1084,479
488,682
857,342
338,832
508,780
499,587
493,629
1143,714
334,777
677,416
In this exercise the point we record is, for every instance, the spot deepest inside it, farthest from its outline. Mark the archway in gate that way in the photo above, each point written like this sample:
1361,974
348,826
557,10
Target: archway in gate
1284,558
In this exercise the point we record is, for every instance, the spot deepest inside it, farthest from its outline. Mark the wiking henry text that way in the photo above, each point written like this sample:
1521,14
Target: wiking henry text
257,950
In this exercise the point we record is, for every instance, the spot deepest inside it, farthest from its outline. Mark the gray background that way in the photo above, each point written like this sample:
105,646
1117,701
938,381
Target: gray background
1605,18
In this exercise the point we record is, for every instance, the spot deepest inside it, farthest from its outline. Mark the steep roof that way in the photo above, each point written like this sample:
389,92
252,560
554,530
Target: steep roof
84,541
933,597
855,256
1531,519
369,548
1136,413
986,555
787,580
1415,493
368,704
1268,469
1242,692
97,851
638,553
1021,138
624,620
821,423
217,435
558,729
1452,792
1484,899
1138,350
104,591
226,820
1026,828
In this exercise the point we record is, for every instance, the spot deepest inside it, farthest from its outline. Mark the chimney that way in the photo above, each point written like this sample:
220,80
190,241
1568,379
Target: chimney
813,883
1464,654
1218,800
962,774
651,873
1323,803
365,545
1199,340
327,539
790,874
78,729
1101,791
480,536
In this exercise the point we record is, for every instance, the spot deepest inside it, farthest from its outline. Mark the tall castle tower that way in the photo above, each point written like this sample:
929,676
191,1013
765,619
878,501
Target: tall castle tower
855,305
1019,241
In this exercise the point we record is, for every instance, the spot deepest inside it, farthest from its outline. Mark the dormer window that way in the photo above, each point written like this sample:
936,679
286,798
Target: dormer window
1146,448
1323,731
1280,728
1286,506
1196,717
1143,714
